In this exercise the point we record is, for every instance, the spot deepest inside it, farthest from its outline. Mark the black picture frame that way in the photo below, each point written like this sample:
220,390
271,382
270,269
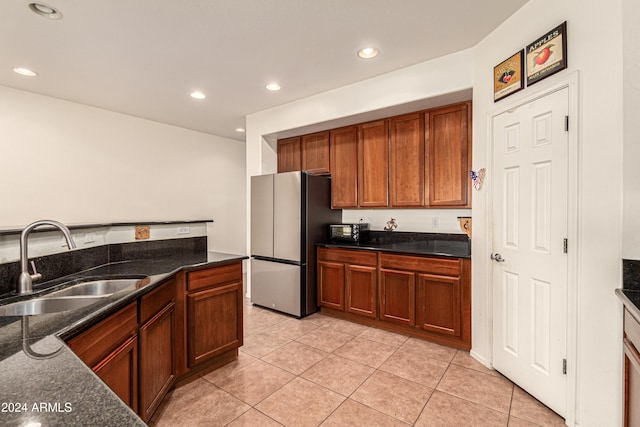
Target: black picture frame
547,55
508,76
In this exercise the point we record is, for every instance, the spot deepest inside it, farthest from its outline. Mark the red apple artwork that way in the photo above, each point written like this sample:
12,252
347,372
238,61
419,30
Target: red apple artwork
542,56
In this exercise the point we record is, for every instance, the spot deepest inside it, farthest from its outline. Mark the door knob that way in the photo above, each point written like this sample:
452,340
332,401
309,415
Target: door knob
497,257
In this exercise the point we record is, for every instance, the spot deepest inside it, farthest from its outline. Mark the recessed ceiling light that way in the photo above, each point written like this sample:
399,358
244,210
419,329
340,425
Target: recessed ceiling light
241,130
45,10
273,86
368,52
25,72
198,95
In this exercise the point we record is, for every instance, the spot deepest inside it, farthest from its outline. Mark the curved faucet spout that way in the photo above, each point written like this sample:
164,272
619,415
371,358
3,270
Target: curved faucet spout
25,282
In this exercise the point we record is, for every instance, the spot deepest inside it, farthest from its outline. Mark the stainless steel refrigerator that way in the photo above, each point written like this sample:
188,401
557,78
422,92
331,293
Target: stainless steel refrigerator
290,213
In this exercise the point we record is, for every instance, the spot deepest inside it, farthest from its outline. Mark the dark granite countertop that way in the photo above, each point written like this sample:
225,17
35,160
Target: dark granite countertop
44,382
432,244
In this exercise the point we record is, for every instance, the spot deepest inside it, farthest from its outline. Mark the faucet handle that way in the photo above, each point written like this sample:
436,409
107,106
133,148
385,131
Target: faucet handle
35,275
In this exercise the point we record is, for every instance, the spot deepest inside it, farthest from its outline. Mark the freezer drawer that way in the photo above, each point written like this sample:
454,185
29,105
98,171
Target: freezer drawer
277,286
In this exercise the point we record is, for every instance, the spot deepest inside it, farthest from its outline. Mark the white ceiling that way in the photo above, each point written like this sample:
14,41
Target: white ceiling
144,57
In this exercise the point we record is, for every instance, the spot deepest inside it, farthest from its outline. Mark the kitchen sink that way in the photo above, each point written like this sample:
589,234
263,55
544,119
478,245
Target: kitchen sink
46,305
95,288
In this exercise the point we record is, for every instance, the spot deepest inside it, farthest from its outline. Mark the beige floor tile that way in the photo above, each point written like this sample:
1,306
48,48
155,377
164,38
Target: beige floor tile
367,352
255,382
344,326
292,328
394,396
463,358
484,389
413,366
198,403
352,413
295,357
429,349
325,339
262,343
300,403
383,337
253,418
517,422
241,361
260,319
444,410
338,374
526,407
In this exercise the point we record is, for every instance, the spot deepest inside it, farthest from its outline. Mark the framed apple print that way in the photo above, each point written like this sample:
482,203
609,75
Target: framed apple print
547,55
508,76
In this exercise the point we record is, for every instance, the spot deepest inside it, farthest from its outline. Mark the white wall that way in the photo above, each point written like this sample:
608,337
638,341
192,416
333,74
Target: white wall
631,76
594,48
79,164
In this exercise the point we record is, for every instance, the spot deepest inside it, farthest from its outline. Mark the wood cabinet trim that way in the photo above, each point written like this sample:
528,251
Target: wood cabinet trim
348,256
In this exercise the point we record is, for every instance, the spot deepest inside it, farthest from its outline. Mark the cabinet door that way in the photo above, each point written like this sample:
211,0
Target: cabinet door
406,175
157,361
315,153
397,296
214,322
631,385
449,163
119,371
439,304
344,167
373,164
289,155
331,285
361,290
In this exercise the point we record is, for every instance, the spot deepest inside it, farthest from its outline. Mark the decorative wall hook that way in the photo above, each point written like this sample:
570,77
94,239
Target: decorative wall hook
478,178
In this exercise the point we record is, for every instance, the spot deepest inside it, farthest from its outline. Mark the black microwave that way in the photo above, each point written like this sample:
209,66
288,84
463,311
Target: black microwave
349,233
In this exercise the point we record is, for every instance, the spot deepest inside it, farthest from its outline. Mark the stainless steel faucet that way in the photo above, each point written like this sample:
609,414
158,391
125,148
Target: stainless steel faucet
25,282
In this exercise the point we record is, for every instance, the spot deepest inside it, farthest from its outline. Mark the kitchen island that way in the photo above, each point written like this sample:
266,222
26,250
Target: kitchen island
43,381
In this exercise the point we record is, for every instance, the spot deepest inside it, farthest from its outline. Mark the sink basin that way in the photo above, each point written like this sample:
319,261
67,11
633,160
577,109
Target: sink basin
95,288
46,305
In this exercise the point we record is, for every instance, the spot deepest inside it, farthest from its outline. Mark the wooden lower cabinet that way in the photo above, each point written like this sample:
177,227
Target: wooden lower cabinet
347,281
110,349
157,341
214,312
439,304
193,319
331,285
120,372
423,296
397,296
361,290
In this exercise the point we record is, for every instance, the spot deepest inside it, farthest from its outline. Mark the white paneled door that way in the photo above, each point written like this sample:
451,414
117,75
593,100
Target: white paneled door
530,224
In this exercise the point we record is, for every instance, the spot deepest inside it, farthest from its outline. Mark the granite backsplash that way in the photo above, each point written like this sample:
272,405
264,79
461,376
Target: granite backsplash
65,263
631,274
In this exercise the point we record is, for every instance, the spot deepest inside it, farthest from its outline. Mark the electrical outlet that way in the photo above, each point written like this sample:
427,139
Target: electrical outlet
435,222
183,230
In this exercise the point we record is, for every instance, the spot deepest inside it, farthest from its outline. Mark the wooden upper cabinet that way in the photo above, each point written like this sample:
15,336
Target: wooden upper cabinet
407,172
344,167
449,155
289,155
373,164
315,153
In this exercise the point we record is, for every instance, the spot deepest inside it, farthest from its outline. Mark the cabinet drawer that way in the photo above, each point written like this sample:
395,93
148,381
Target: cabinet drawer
443,267
202,279
348,256
96,343
156,300
632,329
